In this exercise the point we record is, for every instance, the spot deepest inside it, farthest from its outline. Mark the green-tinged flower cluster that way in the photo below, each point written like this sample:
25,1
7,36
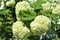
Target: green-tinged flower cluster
19,30
20,6
56,10
52,7
40,25
18,24
10,3
46,6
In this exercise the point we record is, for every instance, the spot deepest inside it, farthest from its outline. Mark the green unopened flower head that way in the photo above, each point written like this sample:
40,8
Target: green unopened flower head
10,3
19,30
40,25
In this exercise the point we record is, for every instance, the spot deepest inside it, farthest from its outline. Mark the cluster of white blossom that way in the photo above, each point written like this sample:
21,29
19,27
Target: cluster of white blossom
20,30
40,25
20,6
46,6
10,3
53,7
56,10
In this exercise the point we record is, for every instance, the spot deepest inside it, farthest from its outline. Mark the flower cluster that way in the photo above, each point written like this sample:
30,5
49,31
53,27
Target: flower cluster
56,10
20,6
19,30
10,3
53,7
46,6
40,25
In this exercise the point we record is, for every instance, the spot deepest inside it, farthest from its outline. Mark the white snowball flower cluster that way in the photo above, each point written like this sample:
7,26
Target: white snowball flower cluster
56,10
46,6
20,6
25,32
40,25
10,3
52,7
19,30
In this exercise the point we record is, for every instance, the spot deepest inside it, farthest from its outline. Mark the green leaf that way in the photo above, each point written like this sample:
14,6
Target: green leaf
24,39
56,39
37,4
27,15
0,0
0,24
4,11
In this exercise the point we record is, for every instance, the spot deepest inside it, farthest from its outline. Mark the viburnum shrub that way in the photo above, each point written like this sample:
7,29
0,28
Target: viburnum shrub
30,19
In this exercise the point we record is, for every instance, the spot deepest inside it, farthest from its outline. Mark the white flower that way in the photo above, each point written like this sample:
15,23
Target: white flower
2,5
53,4
10,3
56,10
20,6
53,0
18,23
40,25
16,26
32,1
25,32
58,21
20,30
46,6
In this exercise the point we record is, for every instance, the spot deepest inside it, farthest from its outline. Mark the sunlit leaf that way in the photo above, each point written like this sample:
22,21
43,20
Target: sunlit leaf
27,15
